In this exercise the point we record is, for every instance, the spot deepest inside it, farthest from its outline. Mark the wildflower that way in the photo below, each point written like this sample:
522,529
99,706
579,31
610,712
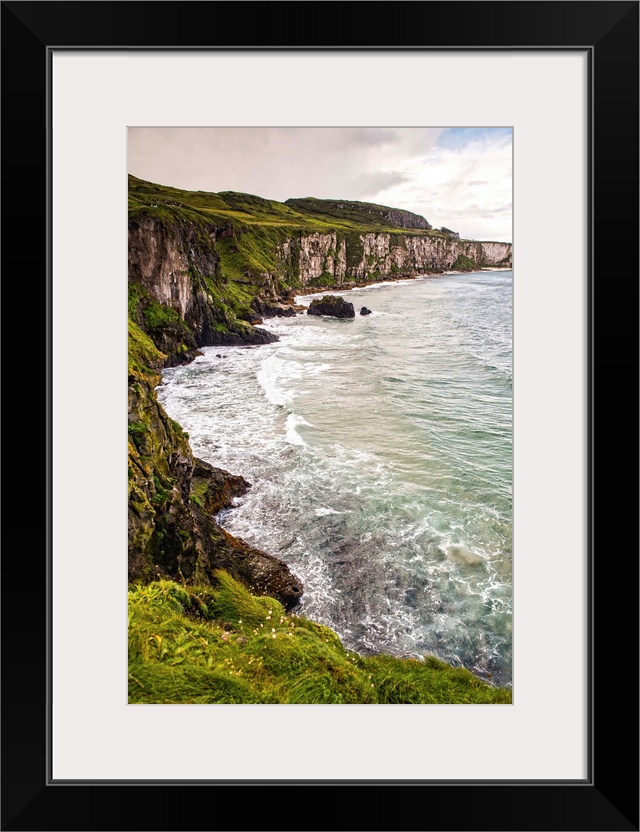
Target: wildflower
273,636
273,629
239,621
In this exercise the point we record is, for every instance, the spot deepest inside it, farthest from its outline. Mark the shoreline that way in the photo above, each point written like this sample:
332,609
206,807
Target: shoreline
305,291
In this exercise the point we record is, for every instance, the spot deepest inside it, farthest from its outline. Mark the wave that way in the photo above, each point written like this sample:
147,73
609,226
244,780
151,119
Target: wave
293,422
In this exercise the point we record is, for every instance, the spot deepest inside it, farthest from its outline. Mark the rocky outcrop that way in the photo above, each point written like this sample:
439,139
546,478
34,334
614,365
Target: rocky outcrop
365,311
332,306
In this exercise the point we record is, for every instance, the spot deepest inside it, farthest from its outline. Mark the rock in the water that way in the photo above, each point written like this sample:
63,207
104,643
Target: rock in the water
269,309
333,306
365,311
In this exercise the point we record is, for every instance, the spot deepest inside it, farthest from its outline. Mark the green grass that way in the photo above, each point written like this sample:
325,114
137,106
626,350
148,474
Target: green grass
220,644
244,210
144,357
464,264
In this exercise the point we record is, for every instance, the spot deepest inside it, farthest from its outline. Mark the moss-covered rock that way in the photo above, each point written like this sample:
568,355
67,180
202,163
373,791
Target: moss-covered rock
173,498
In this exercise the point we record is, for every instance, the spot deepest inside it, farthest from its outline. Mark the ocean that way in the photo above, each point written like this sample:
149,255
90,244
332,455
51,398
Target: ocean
380,455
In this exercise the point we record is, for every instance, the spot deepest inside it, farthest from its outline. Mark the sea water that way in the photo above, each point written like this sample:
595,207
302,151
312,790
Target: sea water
380,455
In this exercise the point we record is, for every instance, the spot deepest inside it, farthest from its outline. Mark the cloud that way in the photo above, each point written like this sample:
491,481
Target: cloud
276,162
465,186
369,184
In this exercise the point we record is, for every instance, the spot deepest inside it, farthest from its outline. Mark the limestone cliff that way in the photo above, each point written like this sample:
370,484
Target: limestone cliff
335,258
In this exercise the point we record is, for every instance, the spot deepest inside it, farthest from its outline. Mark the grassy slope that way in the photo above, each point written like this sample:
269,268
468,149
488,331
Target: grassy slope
248,210
223,645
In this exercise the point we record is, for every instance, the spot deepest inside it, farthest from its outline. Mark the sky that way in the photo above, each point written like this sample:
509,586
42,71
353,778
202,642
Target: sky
457,177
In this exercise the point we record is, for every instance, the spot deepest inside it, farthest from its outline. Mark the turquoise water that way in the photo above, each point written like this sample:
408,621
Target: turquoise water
380,453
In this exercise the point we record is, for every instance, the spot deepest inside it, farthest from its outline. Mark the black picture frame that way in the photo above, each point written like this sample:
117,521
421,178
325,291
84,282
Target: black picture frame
608,798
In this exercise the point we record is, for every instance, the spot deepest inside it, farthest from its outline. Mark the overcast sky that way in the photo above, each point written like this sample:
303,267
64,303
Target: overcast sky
456,177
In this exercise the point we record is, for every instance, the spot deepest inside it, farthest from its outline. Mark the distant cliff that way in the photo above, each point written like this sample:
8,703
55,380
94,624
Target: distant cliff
335,258
349,210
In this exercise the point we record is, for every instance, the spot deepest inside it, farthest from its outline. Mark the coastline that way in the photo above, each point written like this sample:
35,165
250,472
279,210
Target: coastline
305,291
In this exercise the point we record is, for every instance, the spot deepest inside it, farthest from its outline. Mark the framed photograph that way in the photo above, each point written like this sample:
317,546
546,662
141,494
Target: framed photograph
83,83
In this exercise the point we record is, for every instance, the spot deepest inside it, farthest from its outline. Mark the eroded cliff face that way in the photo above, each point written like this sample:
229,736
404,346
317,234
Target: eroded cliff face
165,260
174,280
376,256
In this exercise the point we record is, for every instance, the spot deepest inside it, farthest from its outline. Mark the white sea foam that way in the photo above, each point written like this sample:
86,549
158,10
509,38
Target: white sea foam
270,375
293,423
324,511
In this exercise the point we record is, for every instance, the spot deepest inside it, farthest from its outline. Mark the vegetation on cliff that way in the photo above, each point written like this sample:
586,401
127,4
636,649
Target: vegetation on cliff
173,497
464,264
220,644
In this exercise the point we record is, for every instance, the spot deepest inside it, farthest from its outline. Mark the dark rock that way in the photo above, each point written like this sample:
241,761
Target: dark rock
332,306
238,338
215,488
267,309
365,311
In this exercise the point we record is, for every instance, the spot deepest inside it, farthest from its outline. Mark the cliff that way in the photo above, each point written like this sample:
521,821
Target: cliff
202,270
358,212
173,497
336,259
